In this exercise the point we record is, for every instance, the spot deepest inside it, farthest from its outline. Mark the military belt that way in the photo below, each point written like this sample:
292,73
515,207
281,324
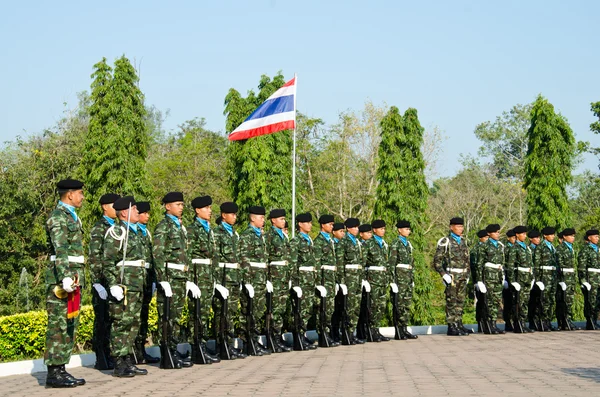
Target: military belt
73,259
524,269
201,261
328,267
138,263
353,266
496,266
568,270
306,268
229,265
177,266
261,265
456,270
377,268
278,263
548,267
404,266
593,270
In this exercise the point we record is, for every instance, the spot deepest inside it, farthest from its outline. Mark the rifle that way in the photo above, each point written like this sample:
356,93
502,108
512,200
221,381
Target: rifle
562,311
322,292
517,325
482,313
249,346
536,308
222,346
588,309
364,318
342,309
198,356
269,317
298,325
398,334
101,345
166,358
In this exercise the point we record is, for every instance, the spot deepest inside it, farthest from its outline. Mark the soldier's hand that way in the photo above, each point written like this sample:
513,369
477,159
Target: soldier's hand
167,288
68,284
447,279
100,290
516,286
481,287
193,288
586,285
117,292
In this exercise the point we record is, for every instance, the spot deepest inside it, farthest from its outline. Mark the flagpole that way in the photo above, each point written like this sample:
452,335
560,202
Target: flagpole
293,220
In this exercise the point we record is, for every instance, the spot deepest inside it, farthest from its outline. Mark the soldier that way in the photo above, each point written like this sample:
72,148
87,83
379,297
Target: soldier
519,274
482,235
376,255
589,276
278,251
534,239
350,262
338,232
507,305
544,271
124,257
560,236
141,357
567,279
64,282
100,338
229,274
401,265
171,264
324,249
451,261
366,233
490,273
253,258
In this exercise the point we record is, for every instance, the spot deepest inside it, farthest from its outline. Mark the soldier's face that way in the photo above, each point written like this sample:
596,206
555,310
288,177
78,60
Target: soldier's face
327,227
204,213
353,231
569,239
144,218
109,210
339,234
594,239
380,231
75,197
550,237
366,235
278,222
404,231
305,227
512,239
175,209
229,218
535,240
521,236
495,235
457,229
257,220
483,239
133,216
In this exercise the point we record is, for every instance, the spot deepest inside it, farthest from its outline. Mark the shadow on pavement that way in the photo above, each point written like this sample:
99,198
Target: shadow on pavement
586,373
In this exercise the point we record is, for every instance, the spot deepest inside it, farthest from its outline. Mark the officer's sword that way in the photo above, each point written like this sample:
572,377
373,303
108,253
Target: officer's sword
125,253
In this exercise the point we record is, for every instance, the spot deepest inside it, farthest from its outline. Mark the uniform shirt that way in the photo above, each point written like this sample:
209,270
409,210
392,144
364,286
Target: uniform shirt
95,258
65,237
324,249
520,255
588,258
492,251
134,277
170,246
451,253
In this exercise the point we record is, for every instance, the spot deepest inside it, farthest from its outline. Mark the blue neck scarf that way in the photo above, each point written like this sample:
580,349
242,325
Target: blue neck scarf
352,238
132,226
533,246
279,232
456,237
306,237
110,220
227,227
204,224
403,240
336,240
495,242
509,243
569,245
379,240
327,236
176,220
69,208
522,244
594,246
549,244
143,228
256,230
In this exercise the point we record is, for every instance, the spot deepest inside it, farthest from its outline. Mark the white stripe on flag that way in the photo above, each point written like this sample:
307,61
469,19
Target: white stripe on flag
283,91
256,123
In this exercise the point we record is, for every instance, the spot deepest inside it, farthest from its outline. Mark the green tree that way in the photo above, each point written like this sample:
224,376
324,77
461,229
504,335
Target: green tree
551,152
595,126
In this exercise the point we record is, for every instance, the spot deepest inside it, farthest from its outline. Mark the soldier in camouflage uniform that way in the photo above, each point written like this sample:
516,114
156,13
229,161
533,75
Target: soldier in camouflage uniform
544,271
339,231
324,249
490,272
336,319
64,283
366,233
350,265
451,261
401,265
278,251
100,337
567,278
376,260
253,259
475,251
172,272
124,256
507,303
588,270
519,274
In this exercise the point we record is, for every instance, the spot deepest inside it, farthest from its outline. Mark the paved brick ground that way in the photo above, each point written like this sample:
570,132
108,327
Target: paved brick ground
548,364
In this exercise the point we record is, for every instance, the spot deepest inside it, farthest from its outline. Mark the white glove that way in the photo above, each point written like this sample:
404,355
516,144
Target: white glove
153,288
167,288
587,286
505,284
67,283
321,290
481,287
413,284
540,285
563,285
222,290
394,287
532,284
269,287
517,286
193,288
117,292
101,291
447,279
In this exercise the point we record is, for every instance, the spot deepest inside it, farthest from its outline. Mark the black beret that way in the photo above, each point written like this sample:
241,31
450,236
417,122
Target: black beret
364,228
69,184
568,231
109,198
123,203
219,220
229,207
326,219
510,233
338,226
548,231
533,234
143,206
520,229
306,217
377,223
172,197
276,213
401,224
482,233
257,210
494,227
352,222
457,221
592,232
201,202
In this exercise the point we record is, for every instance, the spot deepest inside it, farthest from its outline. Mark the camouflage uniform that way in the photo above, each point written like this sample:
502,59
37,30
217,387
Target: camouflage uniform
490,271
401,265
565,256
253,259
124,314
65,244
452,257
588,261
326,270
350,264
377,258
474,260
544,270
278,251
150,279
519,270
303,274
171,264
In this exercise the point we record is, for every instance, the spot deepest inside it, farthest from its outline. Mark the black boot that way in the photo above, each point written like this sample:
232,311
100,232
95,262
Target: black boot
464,329
572,325
121,369
549,326
210,356
308,345
408,334
377,335
133,368
78,381
495,329
508,327
56,379
185,358
279,345
146,358
238,353
453,330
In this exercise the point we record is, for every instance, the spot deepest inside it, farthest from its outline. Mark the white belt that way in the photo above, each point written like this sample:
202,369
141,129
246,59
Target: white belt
262,265
493,265
198,261
377,268
455,270
138,263
329,267
229,265
355,267
177,266
524,269
306,268
278,263
548,267
590,269
74,259
404,266
568,270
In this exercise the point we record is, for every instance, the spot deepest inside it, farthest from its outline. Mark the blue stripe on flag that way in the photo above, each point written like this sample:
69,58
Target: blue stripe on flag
273,106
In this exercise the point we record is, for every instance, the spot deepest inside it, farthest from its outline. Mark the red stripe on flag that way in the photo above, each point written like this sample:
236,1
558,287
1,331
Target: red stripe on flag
265,130
289,83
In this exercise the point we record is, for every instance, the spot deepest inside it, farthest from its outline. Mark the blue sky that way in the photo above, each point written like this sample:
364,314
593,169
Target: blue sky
459,63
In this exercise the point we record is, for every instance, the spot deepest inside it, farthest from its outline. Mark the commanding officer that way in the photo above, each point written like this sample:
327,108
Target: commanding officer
507,311
401,265
125,271
100,341
544,270
324,249
171,265
567,280
519,274
350,264
253,259
451,261
278,250
376,250
338,232
490,272
64,281
589,276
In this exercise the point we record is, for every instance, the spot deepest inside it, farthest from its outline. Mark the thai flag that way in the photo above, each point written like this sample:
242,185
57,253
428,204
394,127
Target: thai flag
277,113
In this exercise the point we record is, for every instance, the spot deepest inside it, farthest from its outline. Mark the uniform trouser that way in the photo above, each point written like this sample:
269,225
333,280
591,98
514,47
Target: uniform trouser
101,337
144,311
280,280
125,323
455,298
594,295
549,302
176,308
256,277
523,296
205,283
405,293
328,279
493,279
60,333
379,289
234,322
353,281
307,283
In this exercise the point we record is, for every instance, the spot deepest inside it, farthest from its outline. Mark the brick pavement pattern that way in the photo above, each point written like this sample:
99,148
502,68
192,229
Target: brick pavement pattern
540,364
